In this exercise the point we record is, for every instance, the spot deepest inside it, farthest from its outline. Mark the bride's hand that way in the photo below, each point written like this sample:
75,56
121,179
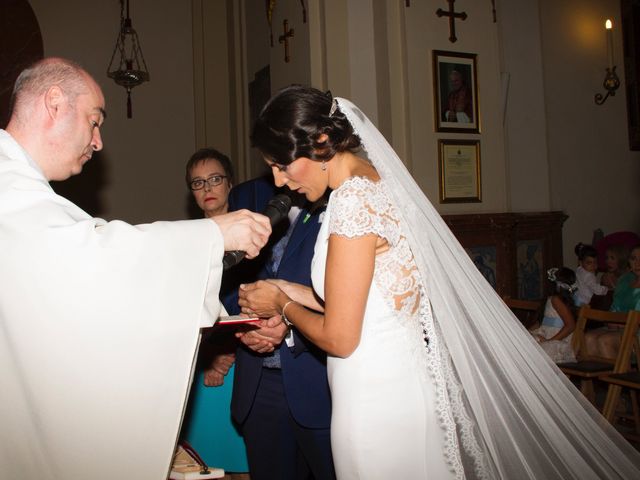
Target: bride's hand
260,299
302,294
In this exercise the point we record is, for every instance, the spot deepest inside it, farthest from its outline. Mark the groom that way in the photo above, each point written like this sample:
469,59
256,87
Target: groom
281,401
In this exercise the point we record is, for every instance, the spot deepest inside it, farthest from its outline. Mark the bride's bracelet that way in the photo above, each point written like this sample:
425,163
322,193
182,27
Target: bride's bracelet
284,315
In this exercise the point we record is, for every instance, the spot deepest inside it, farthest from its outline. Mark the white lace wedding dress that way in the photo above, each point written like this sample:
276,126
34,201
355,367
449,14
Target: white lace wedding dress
392,415
432,323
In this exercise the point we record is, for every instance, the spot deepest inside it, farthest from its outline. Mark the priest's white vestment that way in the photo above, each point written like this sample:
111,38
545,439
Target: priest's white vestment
99,325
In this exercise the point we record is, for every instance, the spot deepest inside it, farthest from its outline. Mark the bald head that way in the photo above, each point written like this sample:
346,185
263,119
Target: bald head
57,111
35,80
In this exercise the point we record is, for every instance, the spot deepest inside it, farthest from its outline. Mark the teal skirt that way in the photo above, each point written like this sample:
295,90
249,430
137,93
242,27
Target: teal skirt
208,426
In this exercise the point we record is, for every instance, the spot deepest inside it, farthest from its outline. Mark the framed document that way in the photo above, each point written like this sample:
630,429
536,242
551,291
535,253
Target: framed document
459,170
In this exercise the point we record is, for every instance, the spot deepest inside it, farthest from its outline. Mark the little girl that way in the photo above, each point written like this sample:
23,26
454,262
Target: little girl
617,261
586,275
558,324
616,264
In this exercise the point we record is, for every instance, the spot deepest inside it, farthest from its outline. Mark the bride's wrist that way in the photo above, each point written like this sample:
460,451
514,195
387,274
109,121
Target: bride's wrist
283,312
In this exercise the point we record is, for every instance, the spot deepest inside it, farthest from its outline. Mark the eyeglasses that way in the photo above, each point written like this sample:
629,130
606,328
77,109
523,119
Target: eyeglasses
213,181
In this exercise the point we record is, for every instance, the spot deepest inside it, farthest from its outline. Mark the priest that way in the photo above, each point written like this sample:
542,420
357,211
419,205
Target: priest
99,321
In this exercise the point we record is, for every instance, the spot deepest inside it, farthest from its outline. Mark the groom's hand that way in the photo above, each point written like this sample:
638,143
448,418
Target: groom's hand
267,337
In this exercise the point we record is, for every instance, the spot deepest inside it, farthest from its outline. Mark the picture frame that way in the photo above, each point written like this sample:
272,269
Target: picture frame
517,248
530,270
455,87
484,257
459,171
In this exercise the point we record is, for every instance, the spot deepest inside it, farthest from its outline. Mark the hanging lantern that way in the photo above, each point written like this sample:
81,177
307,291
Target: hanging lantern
130,69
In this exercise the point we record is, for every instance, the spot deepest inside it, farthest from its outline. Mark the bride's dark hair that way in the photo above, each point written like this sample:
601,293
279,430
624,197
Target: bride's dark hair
290,124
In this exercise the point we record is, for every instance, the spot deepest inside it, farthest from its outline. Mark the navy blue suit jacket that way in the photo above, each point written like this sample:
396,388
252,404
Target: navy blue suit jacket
304,372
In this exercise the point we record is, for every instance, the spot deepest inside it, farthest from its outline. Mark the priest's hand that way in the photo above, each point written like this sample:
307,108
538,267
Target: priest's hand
244,230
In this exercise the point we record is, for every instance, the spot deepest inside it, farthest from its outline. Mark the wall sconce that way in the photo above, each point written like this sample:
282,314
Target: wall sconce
131,69
611,81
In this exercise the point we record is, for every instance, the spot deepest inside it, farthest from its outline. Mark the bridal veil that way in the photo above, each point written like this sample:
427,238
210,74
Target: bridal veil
529,421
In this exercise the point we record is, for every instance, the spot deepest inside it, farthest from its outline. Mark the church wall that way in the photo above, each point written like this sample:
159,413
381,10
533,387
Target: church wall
139,175
523,107
545,145
393,84
594,177
213,47
538,69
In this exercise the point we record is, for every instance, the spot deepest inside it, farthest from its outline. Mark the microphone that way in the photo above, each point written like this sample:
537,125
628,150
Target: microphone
276,210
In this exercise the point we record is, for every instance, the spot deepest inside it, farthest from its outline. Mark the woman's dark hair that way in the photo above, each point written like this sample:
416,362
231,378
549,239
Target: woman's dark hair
585,251
205,154
565,280
290,124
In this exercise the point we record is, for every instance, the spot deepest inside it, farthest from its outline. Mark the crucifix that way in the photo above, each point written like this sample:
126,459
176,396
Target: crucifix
285,39
452,19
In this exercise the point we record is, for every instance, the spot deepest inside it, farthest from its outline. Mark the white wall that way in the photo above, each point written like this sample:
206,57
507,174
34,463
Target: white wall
545,144
390,77
524,109
556,151
142,164
594,177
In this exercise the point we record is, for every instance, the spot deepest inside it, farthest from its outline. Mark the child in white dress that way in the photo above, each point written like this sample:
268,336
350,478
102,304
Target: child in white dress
556,331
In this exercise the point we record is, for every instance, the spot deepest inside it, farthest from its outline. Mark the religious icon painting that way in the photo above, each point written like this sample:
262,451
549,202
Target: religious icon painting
530,270
484,258
455,83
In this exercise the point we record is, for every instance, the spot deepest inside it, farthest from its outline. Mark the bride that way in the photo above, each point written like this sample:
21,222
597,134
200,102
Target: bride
430,374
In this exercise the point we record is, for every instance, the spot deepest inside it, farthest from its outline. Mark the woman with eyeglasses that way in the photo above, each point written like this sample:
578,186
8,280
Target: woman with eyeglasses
210,178
208,426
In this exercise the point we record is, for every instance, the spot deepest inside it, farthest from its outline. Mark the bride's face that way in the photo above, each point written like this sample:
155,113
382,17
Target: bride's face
303,175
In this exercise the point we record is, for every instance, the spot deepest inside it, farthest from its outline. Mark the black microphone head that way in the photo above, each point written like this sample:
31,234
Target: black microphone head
232,258
278,208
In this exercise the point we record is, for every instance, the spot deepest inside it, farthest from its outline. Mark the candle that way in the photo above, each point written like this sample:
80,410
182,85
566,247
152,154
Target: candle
609,26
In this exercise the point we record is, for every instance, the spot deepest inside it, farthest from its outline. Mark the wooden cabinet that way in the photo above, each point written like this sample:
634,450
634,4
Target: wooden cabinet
512,250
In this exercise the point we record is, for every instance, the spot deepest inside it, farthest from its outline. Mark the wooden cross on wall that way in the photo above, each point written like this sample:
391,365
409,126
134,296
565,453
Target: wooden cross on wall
285,39
452,19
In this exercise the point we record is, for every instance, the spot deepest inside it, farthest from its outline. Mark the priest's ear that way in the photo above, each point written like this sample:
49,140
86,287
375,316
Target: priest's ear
54,100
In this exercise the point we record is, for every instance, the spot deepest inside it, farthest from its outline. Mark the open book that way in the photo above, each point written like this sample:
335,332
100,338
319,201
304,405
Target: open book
236,320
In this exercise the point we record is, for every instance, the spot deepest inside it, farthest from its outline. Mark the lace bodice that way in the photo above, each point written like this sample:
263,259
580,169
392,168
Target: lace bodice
361,207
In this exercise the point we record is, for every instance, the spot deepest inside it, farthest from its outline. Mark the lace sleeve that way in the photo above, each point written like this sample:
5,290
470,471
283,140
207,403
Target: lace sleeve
361,207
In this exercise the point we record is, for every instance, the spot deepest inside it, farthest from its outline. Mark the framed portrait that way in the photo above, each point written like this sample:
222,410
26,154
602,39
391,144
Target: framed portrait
459,171
455,83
